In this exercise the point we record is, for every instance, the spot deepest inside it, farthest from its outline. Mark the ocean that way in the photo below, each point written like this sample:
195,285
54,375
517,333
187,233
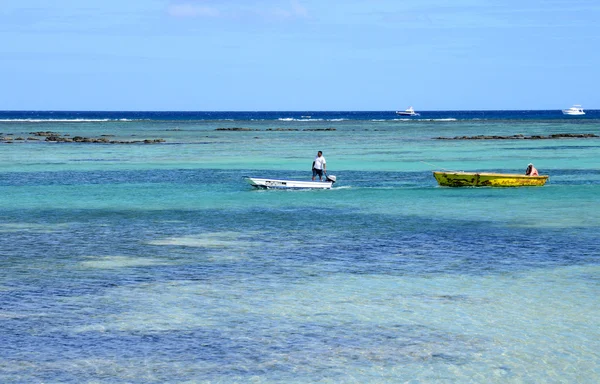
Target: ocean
141,255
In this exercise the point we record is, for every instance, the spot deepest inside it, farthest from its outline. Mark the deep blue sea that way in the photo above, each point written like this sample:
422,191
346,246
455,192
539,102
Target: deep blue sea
133,262
68,116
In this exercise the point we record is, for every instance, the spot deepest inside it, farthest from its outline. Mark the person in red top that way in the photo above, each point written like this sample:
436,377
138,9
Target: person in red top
531,171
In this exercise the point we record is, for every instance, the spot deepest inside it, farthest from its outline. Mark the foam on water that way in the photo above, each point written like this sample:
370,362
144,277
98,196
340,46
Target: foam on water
206,240
30,227
55,120
119,262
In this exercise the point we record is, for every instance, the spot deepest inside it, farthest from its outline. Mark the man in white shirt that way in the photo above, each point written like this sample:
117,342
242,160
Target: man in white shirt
319,166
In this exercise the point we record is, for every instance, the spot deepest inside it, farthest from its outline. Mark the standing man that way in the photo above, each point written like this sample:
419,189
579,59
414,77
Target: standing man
319,166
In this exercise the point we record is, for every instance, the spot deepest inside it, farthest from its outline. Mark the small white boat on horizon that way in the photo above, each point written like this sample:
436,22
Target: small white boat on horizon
575,110
410,111
291,184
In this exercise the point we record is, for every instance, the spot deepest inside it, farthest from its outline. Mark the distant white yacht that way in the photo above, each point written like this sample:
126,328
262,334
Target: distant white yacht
574,110
407,112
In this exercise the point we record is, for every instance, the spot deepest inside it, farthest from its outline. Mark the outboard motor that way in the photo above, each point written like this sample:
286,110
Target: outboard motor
331,178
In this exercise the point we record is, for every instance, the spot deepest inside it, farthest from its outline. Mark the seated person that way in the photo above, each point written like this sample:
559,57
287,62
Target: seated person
531,171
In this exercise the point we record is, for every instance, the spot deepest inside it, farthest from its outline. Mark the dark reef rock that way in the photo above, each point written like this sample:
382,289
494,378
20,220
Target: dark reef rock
235,129
59,138
240,129
522,137
44,133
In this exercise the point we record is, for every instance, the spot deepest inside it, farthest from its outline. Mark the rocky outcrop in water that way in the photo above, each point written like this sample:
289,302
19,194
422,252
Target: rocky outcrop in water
522,137
274,129
66,138
235,129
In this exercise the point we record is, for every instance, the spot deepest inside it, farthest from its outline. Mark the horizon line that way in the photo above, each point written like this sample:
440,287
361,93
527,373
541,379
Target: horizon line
279,110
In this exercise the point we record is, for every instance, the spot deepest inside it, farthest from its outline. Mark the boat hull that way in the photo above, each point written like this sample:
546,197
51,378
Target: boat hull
407,112
575,110
287,184
472,179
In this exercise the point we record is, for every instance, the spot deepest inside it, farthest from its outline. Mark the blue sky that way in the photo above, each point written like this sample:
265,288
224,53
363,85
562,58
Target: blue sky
202,55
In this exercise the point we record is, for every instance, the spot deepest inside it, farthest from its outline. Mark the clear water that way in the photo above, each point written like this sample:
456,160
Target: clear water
158,263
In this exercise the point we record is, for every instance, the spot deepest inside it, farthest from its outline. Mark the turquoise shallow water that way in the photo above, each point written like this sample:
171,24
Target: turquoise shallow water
158,263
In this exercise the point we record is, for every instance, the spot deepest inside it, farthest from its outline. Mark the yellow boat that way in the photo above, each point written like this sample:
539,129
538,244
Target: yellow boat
475,179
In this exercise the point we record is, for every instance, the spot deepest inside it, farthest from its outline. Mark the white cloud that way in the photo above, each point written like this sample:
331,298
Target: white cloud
192,10
292,9
297,10
289,10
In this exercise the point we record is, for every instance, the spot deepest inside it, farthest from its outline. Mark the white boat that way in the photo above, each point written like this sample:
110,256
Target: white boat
291,184
407,112
575,110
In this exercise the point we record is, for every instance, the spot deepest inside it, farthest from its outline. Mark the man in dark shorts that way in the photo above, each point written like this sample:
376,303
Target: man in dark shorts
319,166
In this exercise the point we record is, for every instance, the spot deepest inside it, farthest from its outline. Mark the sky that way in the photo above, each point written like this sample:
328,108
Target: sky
298,55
